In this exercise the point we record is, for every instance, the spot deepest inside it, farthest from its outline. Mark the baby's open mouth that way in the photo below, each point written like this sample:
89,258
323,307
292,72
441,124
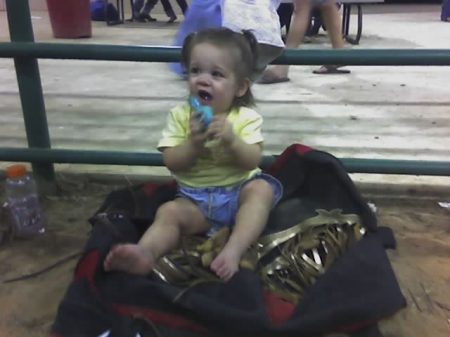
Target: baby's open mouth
204,96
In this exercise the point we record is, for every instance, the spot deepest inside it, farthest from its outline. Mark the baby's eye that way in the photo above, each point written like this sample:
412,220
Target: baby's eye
217,73
194,70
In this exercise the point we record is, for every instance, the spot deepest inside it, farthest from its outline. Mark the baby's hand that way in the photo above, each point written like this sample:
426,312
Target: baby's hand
198,134
221,129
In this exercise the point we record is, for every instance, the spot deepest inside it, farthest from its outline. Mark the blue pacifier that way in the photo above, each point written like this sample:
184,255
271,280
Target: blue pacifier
204,112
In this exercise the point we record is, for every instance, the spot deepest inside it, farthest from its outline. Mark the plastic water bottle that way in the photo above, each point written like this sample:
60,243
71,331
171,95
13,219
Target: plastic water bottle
25,213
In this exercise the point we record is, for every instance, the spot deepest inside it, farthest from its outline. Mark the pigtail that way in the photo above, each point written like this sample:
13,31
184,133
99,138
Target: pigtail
253,43
186,50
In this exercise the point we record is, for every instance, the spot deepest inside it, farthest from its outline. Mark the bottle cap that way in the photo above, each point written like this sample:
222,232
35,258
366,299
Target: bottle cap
15,171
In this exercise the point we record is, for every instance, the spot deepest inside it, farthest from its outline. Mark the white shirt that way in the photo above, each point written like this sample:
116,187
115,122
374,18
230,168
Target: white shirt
258,16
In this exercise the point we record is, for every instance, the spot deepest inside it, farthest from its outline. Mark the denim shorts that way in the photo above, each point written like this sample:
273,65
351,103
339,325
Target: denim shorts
219,205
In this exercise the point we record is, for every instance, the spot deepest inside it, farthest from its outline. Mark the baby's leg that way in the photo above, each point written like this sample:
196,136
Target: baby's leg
180,216
255,202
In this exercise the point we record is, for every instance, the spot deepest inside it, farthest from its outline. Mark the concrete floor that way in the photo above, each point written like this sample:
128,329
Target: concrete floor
375,112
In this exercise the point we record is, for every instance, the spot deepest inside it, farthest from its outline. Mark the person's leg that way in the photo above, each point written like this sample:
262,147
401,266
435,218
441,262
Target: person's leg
180,216
445,12
285,11
137,6
290,12
255,203
149,5
183,5
332,21
169,10
297,30
299,24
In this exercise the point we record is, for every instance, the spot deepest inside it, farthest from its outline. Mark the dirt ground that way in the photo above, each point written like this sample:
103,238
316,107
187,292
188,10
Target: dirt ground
421,261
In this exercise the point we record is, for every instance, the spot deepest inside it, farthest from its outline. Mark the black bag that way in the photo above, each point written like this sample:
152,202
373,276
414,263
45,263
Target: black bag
98,11
357,291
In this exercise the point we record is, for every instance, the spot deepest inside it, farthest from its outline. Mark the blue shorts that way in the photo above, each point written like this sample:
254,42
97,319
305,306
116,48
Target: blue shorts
219,205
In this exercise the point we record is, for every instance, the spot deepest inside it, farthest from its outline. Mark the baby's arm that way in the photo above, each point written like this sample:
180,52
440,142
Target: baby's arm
246,156
182,157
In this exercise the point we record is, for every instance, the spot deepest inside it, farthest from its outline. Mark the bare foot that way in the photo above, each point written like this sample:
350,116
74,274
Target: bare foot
226,264
275,74
130,258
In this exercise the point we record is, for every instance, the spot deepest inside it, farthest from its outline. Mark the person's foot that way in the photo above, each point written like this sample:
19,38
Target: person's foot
307,39
139,18
145,17
276,74
172,19
226,264
130,258
134,17
149,18
331,69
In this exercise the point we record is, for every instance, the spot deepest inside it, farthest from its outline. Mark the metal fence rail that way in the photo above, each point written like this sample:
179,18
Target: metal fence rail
352,165
26,52
104,52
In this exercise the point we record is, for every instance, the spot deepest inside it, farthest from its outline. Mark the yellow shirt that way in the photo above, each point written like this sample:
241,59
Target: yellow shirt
214,167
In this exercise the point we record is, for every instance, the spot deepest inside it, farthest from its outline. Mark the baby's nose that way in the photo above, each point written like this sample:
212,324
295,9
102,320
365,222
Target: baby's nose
204,78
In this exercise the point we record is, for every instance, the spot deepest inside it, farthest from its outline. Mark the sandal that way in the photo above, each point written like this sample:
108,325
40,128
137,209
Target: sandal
331,69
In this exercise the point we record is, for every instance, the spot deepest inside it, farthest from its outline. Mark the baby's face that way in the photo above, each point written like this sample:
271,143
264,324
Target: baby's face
212,78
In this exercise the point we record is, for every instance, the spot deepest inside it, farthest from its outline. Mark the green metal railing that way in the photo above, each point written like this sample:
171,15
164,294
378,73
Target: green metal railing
372,57
26,52
353,165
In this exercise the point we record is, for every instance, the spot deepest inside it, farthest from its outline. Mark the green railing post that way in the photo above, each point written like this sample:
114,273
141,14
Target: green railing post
30,89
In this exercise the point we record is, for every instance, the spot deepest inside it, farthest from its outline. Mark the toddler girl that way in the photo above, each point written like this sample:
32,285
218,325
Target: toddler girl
215,165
